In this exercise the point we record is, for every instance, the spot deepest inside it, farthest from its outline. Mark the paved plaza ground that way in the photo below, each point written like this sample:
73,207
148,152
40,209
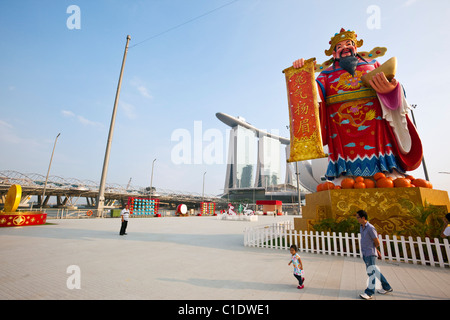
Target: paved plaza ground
184,258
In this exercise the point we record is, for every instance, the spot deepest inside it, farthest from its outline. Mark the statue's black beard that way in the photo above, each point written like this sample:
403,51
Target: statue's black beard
349,63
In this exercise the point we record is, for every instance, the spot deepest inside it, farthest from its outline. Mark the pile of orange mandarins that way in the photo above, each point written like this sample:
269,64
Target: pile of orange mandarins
379,180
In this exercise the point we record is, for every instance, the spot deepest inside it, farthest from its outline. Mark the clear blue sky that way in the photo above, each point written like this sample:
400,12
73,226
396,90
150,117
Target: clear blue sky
54,79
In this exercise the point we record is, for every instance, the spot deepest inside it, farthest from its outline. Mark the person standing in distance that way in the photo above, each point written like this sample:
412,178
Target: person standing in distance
369,244
124,214
446,230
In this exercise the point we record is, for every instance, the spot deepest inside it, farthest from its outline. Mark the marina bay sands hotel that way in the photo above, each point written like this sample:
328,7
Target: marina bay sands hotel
254,165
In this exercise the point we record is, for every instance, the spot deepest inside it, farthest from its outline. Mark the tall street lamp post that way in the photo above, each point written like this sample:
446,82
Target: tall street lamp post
297,172
203,192
48,171
101,192
151,180
425,170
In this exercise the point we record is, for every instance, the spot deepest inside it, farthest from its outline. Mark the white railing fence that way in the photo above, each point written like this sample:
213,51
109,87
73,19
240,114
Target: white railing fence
281,235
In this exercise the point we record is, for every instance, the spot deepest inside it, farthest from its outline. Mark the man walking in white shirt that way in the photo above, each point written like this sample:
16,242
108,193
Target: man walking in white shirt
124,214
369,244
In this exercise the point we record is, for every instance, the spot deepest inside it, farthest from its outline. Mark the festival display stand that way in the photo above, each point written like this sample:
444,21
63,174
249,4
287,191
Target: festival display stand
272,206
143,206
207,208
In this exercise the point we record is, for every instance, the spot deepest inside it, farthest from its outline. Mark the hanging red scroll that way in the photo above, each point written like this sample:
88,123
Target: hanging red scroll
304,122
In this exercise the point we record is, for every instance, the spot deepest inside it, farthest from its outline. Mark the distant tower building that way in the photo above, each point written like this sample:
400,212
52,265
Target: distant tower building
254,156
291,173
254,160
268,172
241,157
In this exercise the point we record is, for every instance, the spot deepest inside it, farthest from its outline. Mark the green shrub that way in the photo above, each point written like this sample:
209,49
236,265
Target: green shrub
347,224
427,220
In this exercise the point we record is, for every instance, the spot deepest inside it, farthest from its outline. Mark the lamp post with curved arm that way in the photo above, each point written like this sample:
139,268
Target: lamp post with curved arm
48,171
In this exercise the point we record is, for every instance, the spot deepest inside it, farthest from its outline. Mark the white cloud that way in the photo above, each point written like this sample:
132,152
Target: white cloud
67,113
88,122
5,124
144,92
9,135
141,88
409,3
81,119
128,109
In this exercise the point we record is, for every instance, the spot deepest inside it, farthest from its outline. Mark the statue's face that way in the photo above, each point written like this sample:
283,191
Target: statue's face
344,49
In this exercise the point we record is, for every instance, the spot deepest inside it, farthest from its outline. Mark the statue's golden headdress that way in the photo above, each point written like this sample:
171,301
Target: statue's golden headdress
349,35
341,36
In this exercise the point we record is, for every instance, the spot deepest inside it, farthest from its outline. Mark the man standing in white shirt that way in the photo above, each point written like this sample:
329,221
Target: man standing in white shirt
446,230
124,214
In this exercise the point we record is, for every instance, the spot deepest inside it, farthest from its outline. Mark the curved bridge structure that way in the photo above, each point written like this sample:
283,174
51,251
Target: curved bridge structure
69,190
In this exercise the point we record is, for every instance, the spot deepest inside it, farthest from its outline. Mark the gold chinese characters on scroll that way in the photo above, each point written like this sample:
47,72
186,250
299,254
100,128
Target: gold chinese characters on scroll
304,122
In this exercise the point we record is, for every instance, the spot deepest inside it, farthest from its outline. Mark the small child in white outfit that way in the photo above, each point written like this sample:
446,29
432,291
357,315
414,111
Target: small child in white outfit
298,266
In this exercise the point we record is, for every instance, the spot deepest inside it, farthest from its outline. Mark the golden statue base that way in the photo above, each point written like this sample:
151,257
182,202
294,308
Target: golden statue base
388,208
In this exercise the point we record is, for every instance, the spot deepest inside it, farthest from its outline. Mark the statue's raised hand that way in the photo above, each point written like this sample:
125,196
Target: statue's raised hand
382,85
298,63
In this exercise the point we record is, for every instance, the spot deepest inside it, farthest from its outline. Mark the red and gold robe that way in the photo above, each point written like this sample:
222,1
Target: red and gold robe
360,140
